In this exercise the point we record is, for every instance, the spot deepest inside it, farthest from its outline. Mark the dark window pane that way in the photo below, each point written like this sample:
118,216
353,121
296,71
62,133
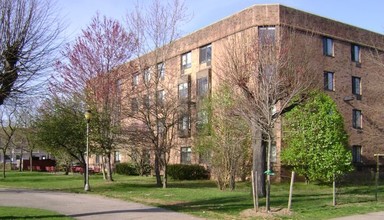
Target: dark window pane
202,87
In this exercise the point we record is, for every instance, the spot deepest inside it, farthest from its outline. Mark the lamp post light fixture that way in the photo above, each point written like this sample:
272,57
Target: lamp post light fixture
87,116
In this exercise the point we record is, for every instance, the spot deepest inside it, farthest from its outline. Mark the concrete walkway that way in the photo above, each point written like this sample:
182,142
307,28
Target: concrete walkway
369,216
83,206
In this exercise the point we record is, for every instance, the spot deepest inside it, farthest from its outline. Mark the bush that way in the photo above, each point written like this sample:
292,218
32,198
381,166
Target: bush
187,172
126,169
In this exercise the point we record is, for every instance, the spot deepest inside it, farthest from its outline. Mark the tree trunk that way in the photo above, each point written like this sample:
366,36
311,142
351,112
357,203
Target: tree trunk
165,177
84,174
269,169
21,161
103,167
4,164
157,170
258,163
30,161
109,167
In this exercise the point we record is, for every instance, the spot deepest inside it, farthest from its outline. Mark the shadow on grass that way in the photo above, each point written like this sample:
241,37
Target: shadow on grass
219,204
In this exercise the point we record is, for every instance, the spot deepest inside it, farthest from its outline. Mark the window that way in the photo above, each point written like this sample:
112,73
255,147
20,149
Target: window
202,119
329,81
355,53
186,153
97,159
186,60
135,80
147,101
161,70
356,87
328,46
183,91
205,54
202,87
160,97
266,36
119,85
184,125
356,154
134,105
147,75
117,156
161,125
356,119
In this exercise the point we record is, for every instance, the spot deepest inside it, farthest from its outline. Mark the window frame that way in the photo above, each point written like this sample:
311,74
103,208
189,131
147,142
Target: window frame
356,87
186,155
135,80
160,97
186,60
147,75
134,105
205,54
264,35
201,93
184,125
327,81
181,92
357,119
355,53
328,47
356,153
161,70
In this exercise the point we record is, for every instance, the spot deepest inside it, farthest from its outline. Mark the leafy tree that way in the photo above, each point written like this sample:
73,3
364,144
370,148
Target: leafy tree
61,129
316,140
91,70
224,138
266,72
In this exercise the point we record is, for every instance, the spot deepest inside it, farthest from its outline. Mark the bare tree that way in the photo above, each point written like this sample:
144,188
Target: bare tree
153,121
268,72
29,31
8,129
91,71
223,138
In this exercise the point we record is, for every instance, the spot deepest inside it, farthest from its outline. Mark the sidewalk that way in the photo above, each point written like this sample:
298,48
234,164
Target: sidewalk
83,206
368,216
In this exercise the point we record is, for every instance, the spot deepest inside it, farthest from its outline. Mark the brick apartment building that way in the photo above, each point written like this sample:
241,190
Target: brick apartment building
344,54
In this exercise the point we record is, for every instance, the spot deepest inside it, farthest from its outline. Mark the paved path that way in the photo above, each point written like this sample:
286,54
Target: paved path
83,206
369,216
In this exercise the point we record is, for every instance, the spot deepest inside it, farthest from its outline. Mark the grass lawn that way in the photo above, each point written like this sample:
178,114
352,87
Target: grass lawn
29,213
202,198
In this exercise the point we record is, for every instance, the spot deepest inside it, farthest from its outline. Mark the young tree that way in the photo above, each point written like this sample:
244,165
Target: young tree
316,142
152,124
60,128
29,31
8,129
91,71
223,138
266,72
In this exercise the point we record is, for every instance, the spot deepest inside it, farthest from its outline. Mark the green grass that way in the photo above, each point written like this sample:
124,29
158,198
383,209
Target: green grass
202,198
29,213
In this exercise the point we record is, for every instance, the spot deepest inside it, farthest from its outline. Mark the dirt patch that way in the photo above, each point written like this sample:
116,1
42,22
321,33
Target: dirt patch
275,213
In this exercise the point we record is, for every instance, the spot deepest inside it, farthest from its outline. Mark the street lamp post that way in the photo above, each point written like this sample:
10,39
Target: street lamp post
88,118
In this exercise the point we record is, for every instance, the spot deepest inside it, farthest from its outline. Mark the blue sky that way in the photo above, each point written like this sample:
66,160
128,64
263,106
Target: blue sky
366,14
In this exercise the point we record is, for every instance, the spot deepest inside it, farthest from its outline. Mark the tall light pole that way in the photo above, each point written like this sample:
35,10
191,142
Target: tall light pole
88,118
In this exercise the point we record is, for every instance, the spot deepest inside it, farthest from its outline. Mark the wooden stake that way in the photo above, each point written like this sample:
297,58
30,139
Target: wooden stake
291,190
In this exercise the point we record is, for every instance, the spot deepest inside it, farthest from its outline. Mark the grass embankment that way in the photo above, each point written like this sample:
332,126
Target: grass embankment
202,198
29,213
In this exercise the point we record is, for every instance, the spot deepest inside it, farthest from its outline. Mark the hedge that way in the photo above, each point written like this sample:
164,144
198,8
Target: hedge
187,172
126,169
